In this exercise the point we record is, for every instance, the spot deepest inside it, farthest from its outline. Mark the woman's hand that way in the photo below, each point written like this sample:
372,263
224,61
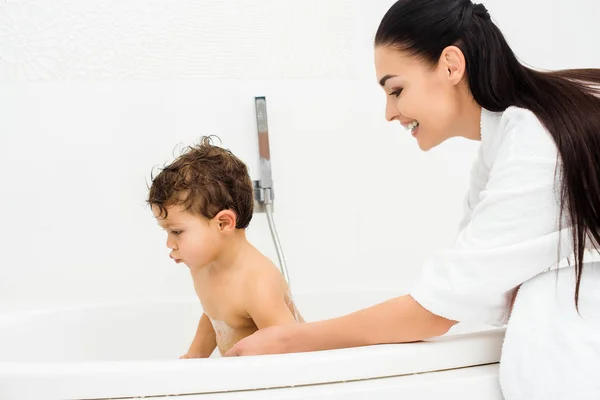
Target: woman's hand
272,340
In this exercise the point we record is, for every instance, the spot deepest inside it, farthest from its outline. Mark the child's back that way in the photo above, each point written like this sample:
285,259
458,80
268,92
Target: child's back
204,200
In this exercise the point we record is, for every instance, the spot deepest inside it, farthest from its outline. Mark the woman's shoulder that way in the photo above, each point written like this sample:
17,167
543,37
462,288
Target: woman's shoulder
520,119
519,133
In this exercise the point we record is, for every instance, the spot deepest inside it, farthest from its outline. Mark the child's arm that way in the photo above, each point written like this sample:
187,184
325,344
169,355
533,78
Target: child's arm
266,300
204,342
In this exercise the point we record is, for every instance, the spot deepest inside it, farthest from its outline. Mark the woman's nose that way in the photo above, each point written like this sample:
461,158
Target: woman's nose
391,111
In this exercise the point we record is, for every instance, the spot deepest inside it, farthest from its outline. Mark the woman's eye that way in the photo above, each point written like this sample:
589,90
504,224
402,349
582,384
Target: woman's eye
396,92
176,233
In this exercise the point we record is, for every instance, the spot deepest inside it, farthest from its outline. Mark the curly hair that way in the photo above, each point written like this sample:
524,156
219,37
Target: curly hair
205,179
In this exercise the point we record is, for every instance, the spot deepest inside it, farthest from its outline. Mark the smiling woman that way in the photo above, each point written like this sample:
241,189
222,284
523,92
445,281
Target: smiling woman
447,71
426,99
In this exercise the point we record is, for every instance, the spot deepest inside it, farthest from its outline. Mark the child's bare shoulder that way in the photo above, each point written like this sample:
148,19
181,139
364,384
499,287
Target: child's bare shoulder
264,274
267,299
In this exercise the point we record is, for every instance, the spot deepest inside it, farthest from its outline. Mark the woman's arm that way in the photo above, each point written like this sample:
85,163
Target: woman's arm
398,320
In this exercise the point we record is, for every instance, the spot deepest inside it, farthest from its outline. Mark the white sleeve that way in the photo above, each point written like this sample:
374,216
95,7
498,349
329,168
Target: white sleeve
511,236
478,180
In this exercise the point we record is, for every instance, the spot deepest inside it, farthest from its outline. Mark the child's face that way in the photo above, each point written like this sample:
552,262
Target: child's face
193,239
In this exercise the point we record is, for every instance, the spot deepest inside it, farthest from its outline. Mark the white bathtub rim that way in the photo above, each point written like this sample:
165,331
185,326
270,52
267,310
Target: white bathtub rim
113,379
155,378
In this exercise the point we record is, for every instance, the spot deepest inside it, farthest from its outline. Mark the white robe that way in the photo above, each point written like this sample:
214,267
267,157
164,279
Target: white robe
509,236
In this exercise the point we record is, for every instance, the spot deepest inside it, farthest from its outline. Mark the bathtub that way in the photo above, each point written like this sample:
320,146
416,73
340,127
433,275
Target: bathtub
130,350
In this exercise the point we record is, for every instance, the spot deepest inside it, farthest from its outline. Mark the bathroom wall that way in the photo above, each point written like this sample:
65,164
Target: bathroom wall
94,94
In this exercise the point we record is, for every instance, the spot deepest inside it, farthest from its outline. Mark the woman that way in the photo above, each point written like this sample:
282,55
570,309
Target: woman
534,199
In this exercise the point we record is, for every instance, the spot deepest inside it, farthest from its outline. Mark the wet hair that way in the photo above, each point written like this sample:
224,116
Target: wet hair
567,102
205,179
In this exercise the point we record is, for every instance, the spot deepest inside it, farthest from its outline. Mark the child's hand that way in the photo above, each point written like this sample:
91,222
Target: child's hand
193,354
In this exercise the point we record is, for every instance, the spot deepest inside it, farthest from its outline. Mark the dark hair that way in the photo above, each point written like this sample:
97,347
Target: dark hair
566,102
205,179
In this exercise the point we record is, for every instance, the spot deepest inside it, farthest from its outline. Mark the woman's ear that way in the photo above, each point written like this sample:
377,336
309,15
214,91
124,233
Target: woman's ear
226,221
453,63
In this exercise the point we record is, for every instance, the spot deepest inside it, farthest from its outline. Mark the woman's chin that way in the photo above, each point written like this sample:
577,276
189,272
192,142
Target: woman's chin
425,144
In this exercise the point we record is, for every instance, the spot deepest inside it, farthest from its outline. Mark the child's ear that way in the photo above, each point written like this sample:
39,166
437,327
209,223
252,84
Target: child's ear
226,221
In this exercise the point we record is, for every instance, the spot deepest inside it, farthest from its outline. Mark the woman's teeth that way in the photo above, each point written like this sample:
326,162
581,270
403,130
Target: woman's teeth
412,126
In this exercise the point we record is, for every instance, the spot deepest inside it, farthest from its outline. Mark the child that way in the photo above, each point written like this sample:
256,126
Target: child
204,200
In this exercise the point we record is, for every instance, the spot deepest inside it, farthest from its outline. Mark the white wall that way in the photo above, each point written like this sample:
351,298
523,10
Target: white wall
93,94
